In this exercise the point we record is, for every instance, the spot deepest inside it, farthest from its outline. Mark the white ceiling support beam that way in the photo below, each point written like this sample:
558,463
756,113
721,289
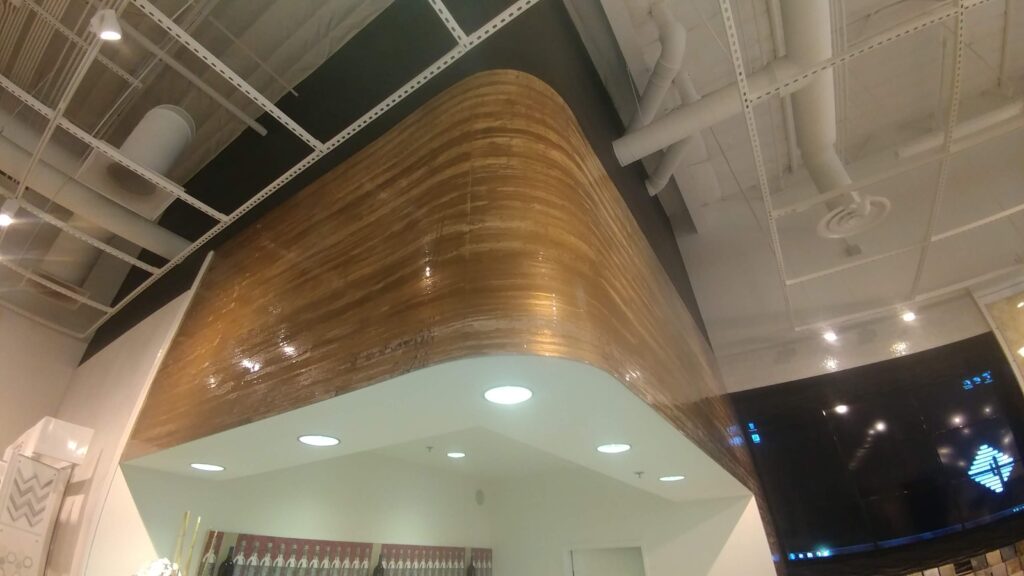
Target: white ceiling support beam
46,16
54,286
926,19
230,75
881,175
241,45
64,226
58,112
157,179
951,123
762,176
191,77
495,24
449,21
1004,56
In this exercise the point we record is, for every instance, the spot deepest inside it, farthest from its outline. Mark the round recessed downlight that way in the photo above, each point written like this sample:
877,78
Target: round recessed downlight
207,467
456,455
676,478
841,408
909,316
508,395
318,440
613,448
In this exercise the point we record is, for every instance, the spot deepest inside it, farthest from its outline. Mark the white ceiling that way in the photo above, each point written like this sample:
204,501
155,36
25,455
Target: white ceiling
574,409
885,98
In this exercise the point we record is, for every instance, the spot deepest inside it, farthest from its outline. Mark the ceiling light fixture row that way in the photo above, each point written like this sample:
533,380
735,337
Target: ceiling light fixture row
501,395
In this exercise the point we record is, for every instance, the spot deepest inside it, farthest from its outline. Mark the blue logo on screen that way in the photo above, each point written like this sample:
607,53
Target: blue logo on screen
973,381
991,468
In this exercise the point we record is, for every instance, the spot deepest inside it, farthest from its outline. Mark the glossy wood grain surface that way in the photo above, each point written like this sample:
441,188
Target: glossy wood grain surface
482,224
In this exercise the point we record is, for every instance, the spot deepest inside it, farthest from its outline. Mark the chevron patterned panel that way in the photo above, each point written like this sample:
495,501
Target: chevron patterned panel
27,500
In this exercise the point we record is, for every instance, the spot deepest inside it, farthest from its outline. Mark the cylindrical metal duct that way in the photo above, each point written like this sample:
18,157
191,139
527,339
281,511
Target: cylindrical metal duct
672,35
156,142
93,206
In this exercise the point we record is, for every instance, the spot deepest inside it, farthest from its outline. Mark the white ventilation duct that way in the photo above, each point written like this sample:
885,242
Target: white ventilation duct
672,35
156,143
808,39
167,131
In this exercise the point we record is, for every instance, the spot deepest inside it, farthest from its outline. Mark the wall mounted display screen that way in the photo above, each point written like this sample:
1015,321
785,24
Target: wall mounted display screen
888,454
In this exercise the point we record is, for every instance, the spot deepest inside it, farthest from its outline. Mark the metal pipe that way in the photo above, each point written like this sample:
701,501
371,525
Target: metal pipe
675,153
191,77
93,206
672,35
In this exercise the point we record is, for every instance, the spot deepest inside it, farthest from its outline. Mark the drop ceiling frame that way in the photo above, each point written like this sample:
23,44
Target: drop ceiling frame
955,10
464,43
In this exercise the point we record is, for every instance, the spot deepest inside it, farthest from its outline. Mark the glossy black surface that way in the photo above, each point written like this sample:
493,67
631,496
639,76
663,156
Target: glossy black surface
893,468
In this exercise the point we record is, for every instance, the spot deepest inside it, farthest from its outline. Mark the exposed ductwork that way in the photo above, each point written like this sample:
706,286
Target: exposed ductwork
160,140
673,47
808,41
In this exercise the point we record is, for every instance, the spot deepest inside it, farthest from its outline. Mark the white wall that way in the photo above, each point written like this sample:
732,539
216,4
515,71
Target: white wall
538,520
936,325
362,497
608,562
36,364
105,394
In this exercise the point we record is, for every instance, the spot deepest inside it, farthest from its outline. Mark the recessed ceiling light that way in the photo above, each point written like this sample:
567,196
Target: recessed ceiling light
1021,351
1020,304
909,316
880,426
613,448
207,467
830,336
318,440
508,395
841,409
672,478
456,455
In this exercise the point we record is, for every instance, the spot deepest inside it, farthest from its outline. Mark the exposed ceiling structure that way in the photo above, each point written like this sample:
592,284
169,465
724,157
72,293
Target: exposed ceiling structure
574,409
850,107
98,138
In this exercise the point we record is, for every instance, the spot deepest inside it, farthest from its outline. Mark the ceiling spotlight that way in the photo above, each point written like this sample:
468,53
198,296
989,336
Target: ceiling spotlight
7,212
909,316
830,336
613,448
456,455
105,24
880,426
508,395
672,478
319,440
841,409
1020,304
207,467
1021,351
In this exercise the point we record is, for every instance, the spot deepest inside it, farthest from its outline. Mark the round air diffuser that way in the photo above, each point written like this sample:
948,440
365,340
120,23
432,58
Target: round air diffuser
863,214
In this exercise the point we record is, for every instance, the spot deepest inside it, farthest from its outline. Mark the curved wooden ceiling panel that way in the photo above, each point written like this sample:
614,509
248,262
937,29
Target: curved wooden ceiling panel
482,224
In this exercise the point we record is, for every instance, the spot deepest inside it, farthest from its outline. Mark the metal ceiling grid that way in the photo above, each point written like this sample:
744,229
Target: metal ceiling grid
56,118
955,10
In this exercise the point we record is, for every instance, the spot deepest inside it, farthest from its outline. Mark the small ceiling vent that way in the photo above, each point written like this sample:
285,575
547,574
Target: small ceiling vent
864,213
